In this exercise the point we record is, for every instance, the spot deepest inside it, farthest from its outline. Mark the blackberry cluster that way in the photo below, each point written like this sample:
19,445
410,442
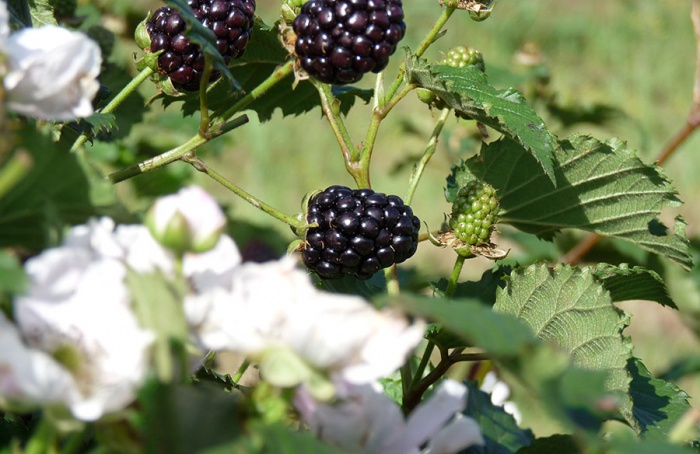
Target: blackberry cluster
474,213
338,41
183,61
359,232
462,56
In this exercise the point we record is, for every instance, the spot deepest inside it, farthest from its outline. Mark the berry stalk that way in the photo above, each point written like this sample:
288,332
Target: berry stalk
116,101
419,168
257,203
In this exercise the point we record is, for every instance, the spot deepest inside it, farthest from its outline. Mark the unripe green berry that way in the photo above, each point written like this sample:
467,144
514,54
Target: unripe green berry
462,56
474,213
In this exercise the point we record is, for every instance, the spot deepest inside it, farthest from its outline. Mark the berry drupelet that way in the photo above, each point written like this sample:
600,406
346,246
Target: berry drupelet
183,61
338,41
359,232
474,213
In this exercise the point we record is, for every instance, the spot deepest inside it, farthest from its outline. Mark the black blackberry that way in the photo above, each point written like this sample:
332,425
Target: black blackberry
183,61
359,232
338,41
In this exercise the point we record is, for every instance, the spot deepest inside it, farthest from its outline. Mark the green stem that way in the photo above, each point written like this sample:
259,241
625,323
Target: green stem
276,77
174,154
116,101
392,280
12,172
259,204
452,285
75,442
43,439
429,152
429,39
203,99
241,370
424,361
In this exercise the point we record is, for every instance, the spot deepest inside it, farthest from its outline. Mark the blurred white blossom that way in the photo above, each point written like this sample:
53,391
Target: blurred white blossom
4,27
52,71
500,392
256,309
365,420
190,220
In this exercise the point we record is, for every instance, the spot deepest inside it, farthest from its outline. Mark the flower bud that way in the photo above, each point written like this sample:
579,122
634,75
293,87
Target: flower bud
190,220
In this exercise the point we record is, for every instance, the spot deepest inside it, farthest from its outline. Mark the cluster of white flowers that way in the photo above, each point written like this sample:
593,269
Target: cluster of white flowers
75,342
51,71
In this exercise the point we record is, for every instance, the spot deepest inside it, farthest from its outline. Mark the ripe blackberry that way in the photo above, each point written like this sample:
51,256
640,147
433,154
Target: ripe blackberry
474,213
183,61
359,232
462,56
338,41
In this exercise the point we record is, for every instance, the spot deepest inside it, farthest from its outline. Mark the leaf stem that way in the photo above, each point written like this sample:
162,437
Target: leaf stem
174,154
259,204
424,361
116,101
241,370
419,168
43,439
276,77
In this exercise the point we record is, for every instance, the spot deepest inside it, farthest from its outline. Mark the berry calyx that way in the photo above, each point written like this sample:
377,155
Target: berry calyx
474,213
357,232
462,56
338,41
183,61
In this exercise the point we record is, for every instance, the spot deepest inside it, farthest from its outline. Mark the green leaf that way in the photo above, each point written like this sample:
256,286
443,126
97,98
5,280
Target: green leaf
501,433
468,92
54,193
19,12
556,444
545,383
13,279
647,447
636,283
204,38
41,12
283,440
657,404
602,187
568,307
181,419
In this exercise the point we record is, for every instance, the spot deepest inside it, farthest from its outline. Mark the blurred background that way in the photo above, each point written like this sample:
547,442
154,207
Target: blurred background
620,68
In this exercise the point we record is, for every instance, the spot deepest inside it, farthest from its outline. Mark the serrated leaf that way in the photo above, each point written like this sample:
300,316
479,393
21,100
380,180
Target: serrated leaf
636,283
500,431
602,187
284,440
204,38
468,92
41,12
657,404
568,307
54,193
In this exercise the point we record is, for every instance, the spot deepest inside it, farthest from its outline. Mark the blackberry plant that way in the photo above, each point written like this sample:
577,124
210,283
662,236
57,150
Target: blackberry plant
358,232
183,61
338,41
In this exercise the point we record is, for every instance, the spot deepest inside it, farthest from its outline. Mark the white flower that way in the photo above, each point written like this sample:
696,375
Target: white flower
78,312
255,309
190,220
52,72
500,392
365,420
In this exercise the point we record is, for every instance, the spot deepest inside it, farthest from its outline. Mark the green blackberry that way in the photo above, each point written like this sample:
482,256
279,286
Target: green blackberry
474,213
462,56
338,41
183,61
359,232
